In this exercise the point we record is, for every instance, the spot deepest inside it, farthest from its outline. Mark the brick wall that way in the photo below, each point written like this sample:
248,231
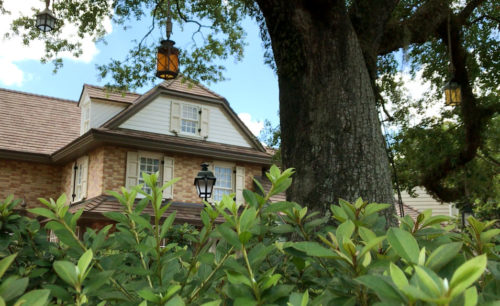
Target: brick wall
186,167
66,175
29,181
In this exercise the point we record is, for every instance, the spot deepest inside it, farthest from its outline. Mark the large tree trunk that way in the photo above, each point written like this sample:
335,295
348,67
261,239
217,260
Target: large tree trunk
329,124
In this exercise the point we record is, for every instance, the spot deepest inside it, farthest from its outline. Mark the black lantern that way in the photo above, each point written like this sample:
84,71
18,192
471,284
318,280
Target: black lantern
46,20
204,182
453,93
167,58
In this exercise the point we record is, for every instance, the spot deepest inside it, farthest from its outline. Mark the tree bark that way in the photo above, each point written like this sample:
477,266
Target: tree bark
329,124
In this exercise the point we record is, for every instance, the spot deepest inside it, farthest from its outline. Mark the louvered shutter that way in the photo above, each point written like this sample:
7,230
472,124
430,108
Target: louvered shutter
205,112
132,174
168,174
72,188
85,173
175,117
240,184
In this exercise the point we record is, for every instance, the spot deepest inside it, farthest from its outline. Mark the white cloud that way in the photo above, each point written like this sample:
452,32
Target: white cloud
14,51
254,126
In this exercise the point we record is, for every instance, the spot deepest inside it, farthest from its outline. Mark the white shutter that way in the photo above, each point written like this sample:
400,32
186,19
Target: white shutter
84,166
73,187
205,112
175,117
168,174
240,184
132,174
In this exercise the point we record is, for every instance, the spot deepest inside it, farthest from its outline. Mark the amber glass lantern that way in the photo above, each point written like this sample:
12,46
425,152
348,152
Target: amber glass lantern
167,60
453,93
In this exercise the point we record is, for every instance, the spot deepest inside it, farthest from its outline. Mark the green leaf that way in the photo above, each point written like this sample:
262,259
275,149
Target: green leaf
116,216
238,278
34,298
5,263
299,299
229,235
313,249
245,237
470,297
149,295
212,303
427,281
247,219
280,206
271,281
44,212
250,198
467,274
404,244
488,235
67,271
167,224
372,208
345,230
371,244
382,287
398,276
83,264
442,255
13,287
435,220
282,229
171,291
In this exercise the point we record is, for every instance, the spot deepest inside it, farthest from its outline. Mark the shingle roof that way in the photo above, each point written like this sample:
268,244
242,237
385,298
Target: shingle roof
36,124
98,92
189,87
186,212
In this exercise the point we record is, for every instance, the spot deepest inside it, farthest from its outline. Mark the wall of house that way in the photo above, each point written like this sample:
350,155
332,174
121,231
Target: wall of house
155,118
29,181
95,181
66,179
101,111
186,166
424,201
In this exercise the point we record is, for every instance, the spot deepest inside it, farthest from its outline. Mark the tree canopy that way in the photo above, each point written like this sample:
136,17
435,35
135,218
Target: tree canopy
449,153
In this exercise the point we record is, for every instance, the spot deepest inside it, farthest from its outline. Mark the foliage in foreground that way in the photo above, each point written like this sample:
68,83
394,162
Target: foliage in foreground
245,255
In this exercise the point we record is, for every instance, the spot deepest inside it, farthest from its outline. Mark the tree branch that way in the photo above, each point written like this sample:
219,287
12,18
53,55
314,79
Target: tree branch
416,29
467,11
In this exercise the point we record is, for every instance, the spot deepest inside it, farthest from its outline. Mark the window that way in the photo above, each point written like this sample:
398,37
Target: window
224,182
79,179
189,119
149,164
53,237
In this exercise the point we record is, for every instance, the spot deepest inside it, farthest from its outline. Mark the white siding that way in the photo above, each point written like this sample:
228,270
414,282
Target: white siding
155,118
101,112
424,201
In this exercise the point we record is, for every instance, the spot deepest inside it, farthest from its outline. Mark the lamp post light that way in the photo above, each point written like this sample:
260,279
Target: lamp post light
204,182
46,20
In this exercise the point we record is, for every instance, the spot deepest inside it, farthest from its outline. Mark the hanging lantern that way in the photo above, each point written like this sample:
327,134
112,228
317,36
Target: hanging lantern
453,93
46,20
167,60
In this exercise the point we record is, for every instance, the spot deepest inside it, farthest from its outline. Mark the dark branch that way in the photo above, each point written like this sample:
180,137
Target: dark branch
139,47
416,29
184,18
468,9
482,17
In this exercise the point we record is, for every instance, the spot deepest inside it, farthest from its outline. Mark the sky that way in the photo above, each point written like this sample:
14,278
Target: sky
251,86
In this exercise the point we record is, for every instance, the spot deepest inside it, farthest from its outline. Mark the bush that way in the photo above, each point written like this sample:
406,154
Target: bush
262,253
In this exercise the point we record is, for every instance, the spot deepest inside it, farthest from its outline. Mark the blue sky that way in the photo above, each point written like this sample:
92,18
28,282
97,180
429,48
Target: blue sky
251,88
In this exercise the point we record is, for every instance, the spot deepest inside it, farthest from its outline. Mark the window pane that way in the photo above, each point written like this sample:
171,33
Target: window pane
148,165
223,184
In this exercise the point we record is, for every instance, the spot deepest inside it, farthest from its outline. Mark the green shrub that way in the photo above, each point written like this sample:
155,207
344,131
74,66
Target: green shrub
262,253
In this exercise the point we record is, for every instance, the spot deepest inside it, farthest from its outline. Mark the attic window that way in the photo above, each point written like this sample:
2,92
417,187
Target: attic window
189,119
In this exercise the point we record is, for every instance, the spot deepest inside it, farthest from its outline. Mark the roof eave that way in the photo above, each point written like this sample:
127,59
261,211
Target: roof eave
25,156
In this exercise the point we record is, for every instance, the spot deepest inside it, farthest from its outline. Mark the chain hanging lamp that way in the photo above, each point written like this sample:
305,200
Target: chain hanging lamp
46,20
167,57
452,89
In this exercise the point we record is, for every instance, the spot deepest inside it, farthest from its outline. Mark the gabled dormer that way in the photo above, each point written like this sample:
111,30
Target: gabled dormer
98,105
187,111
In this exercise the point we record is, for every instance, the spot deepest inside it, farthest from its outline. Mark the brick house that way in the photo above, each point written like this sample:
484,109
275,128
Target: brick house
50,146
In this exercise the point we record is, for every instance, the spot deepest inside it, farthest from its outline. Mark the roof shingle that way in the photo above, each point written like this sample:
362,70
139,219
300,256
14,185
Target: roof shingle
98,92
35,123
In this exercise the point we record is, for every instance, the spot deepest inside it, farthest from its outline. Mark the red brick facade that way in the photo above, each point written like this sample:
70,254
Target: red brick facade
29,181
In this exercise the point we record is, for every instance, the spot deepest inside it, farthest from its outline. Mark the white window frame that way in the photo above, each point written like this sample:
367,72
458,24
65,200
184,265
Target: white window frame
152,155
197,121
230,166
